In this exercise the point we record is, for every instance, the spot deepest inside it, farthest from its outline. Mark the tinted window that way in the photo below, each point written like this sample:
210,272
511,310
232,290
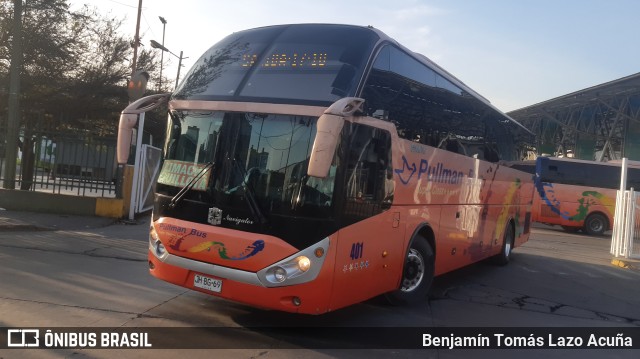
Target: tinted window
428,108
369,177
529,166
594,174
256,155
311,64
410,68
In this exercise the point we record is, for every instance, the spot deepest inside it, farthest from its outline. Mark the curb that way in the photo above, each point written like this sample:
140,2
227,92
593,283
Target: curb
70,223
624,264
23,228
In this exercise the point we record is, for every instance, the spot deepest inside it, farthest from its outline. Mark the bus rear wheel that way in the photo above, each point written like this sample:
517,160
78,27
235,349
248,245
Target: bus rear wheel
596,224
504,256
417,274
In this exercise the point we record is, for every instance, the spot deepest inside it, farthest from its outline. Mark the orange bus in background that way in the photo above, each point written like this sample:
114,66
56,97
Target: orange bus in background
310,167
576,194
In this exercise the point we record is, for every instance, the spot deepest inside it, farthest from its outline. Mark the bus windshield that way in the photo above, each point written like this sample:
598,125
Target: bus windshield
259,157
246,65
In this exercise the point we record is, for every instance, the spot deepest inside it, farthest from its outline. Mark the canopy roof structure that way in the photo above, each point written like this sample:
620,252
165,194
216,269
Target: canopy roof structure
597,123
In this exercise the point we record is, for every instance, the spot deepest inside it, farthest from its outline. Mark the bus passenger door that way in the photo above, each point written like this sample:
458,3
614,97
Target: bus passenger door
369,256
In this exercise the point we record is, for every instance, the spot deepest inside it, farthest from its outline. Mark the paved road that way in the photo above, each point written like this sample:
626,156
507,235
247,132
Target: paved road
99,278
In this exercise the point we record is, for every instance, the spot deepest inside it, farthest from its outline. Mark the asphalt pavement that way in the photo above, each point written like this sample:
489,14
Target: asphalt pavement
11,220
32,221
77,271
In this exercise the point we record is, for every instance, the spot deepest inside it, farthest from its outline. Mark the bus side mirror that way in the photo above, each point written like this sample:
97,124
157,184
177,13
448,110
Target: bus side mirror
129,118
324,145
328,131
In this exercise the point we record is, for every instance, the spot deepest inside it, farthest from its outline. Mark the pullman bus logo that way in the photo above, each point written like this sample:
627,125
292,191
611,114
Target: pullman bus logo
438,173
23,338
215,216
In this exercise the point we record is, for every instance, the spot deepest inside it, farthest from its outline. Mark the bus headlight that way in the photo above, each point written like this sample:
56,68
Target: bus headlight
155,245
160,250
153,235
301,267
279,274
304,263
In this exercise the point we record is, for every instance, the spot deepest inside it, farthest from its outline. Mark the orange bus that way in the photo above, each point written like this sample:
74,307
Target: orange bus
310,167
576,194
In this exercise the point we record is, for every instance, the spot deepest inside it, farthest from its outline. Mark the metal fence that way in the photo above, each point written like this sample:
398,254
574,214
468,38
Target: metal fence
625,241
64,163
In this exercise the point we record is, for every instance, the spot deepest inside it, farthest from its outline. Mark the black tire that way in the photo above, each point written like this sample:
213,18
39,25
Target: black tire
417,274
596,224
570,229
504,256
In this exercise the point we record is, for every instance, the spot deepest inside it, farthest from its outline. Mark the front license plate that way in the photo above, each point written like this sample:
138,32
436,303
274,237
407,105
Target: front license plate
200,281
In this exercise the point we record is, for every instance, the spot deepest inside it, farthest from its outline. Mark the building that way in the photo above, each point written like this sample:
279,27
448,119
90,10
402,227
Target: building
598,123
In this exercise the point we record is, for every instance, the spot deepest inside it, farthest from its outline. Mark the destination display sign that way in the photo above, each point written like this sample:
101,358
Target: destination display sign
288,60
179,173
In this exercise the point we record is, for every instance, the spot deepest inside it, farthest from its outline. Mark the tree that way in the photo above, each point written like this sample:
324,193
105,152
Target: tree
75,71
76,65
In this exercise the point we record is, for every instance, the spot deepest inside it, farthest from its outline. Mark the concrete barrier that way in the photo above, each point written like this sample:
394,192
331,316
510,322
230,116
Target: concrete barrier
61,204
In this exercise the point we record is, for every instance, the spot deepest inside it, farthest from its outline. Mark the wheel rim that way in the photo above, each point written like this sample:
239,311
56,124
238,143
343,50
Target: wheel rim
507,247
413,271
596,226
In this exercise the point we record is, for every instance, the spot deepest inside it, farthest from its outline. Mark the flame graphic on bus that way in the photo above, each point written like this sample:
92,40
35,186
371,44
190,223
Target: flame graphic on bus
250,251
547,194
591,197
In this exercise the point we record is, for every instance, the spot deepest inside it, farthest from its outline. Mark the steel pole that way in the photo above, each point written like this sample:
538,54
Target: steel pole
179,65
13,115
136,40
162,56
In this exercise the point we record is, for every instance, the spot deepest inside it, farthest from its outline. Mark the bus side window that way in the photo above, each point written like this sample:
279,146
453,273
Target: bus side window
490,154
368,170
452,144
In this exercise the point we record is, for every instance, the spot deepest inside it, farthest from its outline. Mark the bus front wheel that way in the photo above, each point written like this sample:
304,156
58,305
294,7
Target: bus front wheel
596,224
417,274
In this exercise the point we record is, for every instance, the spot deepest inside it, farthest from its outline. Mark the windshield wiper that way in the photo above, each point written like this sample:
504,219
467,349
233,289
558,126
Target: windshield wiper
178,197
254,208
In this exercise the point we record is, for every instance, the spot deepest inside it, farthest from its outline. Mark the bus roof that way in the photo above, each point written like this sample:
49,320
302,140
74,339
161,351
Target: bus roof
377,39
616,163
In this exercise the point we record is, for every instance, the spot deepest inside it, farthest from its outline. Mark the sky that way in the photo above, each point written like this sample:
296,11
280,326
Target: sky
515,53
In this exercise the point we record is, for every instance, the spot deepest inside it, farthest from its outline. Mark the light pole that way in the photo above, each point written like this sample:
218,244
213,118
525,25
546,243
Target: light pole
156,45
13,115
164,24
136,41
